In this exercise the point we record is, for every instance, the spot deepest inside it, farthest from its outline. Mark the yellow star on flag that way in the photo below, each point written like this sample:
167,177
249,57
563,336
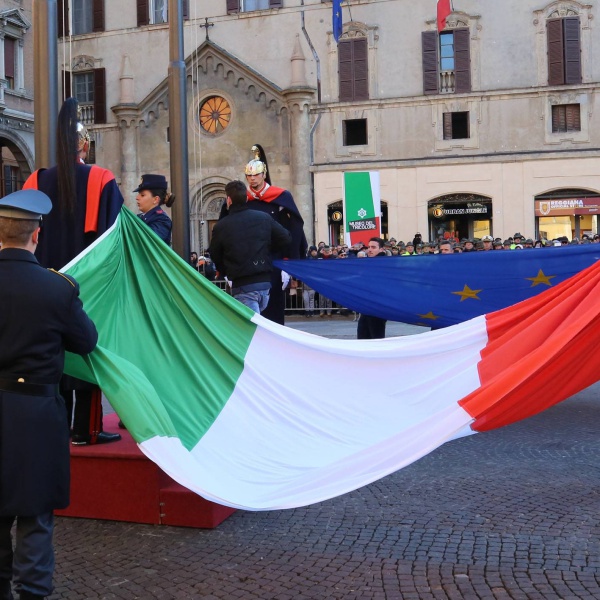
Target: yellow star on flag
429,315
468,293
541,278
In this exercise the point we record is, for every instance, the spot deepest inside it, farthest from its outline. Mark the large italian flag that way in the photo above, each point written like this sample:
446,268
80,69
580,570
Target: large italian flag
258,416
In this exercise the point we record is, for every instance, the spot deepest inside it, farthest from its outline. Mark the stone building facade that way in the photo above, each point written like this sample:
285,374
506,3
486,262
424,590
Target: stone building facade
16,94
485,127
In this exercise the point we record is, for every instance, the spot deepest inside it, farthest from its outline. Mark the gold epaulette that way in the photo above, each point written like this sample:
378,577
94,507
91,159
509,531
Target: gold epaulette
62,275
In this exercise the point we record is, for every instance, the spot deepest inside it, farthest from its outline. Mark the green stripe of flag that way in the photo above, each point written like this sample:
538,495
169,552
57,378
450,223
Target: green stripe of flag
185,338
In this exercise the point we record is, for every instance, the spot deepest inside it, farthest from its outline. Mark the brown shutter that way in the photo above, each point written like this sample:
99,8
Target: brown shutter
556,118
572,50
9,58
573,117
275,3
62,17
429,42
143,13
462,60
447,126
360,62
66,82
98,18
556,66
233,6
99,96
345,70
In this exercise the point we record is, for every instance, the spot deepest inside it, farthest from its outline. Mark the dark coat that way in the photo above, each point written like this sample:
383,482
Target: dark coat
243,243
283,210
63,236
41,316
158,220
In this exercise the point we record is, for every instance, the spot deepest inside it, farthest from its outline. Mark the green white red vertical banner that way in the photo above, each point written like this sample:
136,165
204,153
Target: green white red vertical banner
362,206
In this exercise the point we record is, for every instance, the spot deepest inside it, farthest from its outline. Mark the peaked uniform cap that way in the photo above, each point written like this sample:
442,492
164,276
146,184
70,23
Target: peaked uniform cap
152,182
25,204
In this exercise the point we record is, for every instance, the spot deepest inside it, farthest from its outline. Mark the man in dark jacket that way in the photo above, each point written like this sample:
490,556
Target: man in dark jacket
370,327
242,245
41,316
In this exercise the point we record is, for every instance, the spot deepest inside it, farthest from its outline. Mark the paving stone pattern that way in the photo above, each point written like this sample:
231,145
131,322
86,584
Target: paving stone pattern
511,513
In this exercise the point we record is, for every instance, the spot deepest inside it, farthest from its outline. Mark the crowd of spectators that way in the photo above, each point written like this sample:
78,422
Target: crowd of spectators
450,245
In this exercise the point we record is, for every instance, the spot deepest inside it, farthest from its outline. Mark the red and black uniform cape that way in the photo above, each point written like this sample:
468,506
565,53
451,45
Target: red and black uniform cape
62,238
279,203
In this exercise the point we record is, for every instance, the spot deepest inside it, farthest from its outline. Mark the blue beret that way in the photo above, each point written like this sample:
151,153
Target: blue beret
25,204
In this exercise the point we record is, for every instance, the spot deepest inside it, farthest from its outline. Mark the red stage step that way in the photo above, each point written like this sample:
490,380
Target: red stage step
117,482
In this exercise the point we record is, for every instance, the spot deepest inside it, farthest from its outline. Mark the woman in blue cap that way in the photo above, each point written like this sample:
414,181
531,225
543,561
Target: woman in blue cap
151,195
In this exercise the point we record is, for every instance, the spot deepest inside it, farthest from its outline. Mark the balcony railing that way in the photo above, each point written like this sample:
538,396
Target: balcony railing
446,82
87,113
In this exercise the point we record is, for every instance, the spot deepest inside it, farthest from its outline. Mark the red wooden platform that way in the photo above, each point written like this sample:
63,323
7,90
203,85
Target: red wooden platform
117,482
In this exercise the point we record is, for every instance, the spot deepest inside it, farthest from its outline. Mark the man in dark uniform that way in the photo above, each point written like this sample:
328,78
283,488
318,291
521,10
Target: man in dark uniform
86,202
41,316
278,203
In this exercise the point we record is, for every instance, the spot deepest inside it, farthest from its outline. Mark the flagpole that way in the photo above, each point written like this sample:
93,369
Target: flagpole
178,132
45,81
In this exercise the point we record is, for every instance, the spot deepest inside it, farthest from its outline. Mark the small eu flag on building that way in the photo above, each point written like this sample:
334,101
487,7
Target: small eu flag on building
337,19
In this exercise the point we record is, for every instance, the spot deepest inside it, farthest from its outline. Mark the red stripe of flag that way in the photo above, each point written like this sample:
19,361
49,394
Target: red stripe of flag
443,10
538,353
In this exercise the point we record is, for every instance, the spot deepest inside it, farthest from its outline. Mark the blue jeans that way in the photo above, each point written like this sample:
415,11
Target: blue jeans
257,300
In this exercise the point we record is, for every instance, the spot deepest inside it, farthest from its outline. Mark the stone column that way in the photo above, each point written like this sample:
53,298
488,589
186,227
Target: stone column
298,98
19,67
128,119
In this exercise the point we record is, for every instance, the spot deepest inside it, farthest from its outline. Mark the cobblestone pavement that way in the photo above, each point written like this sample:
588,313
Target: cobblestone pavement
511,513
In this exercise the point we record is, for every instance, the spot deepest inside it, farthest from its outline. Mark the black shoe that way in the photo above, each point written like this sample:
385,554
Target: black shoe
105,437
102,438
25,595
121,425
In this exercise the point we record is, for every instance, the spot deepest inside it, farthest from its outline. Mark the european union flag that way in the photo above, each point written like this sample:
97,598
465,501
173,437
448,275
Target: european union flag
439,290
337,19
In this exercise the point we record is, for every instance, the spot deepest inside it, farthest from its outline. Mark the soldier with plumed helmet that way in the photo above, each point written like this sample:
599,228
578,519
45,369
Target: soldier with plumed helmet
280,205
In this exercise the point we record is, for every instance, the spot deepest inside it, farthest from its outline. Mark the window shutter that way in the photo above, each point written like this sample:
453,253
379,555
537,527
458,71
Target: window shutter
186,9
66,82
429,42
275,3
233,6
448,126
572,50
556,66
556,118
99,95
462,60
62,18
9,58
345,70
573,117
98,11
143,13
360,64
